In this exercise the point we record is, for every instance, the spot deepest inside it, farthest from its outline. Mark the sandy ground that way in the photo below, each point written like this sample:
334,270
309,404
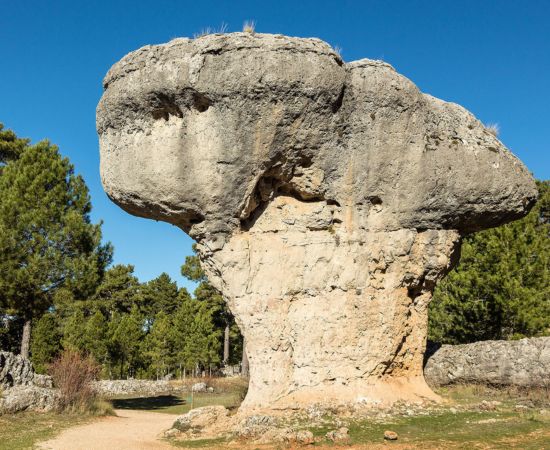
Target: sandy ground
129,430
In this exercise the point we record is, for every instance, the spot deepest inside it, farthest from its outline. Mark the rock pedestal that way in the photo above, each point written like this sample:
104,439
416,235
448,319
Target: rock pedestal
327,199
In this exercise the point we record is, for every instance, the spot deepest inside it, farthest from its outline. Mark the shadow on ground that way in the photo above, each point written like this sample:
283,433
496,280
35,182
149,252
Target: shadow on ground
148,403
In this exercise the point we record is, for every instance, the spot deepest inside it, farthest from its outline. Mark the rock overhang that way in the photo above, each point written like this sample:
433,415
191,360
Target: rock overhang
189,130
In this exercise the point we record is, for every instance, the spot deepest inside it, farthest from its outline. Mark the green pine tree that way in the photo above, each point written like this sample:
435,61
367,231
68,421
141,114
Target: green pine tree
46,342
501,287
160,345
222,318
127,332
118,292
10,145
46,239
160,294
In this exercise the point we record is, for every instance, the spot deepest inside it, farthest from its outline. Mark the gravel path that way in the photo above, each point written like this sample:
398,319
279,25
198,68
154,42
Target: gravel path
129,430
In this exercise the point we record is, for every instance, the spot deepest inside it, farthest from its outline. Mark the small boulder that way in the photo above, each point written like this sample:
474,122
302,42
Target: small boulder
390,435
21,398
341,435
200,418
303,437
199,387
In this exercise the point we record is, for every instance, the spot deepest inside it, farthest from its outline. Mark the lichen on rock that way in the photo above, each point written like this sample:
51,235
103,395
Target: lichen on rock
327,200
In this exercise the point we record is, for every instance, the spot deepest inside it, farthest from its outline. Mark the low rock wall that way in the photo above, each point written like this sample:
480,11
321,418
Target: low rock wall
525,363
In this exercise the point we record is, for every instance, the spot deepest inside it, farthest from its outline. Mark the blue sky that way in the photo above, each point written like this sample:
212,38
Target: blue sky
493,57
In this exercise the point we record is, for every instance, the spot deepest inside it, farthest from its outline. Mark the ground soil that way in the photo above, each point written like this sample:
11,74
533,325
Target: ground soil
128,430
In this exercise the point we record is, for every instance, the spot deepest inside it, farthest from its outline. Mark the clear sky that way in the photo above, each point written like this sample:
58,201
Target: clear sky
493,57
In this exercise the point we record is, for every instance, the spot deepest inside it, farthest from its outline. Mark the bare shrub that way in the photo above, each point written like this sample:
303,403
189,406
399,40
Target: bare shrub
72,374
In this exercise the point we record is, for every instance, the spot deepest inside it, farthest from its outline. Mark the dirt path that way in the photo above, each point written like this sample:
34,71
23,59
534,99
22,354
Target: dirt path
129,430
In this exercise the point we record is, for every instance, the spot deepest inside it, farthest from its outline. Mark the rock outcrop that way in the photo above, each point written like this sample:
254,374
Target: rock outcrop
327,200
523,363
21,388
15,370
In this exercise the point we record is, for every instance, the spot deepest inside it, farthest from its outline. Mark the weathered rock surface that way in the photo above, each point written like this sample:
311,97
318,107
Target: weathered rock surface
21,388
28,397
113,388
519,363
15,370
327,200
199,419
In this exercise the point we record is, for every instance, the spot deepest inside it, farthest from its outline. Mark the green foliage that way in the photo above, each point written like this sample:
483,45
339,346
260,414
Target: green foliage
118,291
126,334
159,295
46,239
501,287
46,342
216,306
10,145
161,345
192,269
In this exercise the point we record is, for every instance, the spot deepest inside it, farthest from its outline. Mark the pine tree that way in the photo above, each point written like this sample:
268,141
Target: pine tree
222,317
11,147
46,239
118,292
127,333
501,287
160,345
96,339
160,294
46,342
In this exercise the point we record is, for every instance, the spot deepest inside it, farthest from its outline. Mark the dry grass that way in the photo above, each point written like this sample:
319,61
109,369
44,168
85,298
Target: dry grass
493,128
210,30
249,26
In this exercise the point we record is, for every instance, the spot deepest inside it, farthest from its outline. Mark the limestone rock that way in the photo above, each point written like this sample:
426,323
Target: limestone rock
390,435
200,418
28,397
113,388
327,199
341,435
15,370
43,381
199,387
525,362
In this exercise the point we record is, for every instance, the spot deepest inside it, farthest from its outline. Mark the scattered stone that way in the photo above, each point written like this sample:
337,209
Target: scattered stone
255,425
303,437
390,435
521,408
341,435
199,387
487,406
210,389
172,432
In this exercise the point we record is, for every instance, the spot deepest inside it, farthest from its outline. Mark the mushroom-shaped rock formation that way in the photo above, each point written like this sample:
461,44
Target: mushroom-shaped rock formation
327,200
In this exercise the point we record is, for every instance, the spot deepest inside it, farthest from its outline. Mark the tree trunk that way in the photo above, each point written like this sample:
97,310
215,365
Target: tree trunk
26,339
226,346
244,362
